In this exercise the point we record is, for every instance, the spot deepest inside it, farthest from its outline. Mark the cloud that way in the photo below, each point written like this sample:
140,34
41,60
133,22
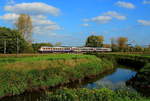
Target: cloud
101,19
86,20
146,2
45,29
125,4
144,22
35,8
44,25
85,25
41,24
116,15
38,12
41,20
37,20
93,32
52,27
10,17
10,2
106,17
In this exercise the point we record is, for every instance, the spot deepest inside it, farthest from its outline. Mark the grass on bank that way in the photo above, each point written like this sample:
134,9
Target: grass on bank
141,81
84,94
24,73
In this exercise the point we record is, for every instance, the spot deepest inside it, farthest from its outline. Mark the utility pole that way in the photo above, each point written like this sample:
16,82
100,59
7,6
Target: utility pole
17,45
5,46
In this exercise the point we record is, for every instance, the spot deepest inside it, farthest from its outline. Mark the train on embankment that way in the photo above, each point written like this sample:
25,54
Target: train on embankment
46,49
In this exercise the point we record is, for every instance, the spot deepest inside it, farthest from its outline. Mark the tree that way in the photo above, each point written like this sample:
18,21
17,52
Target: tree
106,45
57,44
24,26
94,41
114,45
36,46
138,48
10,37
122,43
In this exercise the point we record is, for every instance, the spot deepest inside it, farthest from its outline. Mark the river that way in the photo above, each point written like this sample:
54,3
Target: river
115,79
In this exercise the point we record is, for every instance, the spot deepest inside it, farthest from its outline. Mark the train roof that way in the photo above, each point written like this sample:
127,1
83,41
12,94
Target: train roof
71,47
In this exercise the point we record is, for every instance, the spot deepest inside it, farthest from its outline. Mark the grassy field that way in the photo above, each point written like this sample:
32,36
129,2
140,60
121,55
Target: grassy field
28,72
13,58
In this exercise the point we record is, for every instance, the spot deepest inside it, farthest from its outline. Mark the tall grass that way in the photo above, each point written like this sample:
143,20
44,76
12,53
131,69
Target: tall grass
27,73
136,60
84,94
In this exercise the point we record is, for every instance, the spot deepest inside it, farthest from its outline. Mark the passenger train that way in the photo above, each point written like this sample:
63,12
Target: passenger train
46,49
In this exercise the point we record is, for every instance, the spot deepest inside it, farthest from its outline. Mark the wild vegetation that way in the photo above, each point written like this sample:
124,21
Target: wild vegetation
28,73
138,60
141,81
84,94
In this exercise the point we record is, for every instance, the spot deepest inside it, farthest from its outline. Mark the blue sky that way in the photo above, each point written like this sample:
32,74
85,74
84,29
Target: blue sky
72,21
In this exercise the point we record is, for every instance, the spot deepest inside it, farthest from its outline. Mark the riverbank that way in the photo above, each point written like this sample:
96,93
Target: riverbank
84,94
28,73
141,81
137,60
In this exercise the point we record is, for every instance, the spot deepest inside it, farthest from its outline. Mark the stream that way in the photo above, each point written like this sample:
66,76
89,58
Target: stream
114,79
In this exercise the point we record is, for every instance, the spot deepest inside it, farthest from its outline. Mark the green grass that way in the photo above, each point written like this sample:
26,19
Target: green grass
84,94
7,59
24,72
130,59
18,74
27,58
141,81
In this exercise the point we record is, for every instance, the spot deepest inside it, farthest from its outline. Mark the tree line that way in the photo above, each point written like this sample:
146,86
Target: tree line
119,44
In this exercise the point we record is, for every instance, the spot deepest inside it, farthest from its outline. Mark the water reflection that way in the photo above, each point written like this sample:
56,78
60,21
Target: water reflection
34,96
116,80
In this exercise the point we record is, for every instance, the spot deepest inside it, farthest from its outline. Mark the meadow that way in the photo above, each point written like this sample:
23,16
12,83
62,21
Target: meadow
34,72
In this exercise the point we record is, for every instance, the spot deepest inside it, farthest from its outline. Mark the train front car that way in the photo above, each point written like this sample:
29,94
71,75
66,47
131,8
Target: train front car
45,49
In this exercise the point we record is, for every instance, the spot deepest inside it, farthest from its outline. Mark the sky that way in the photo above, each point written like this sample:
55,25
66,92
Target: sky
72,21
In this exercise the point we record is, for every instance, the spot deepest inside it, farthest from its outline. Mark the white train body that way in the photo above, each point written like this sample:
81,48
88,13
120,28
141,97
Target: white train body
46,49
